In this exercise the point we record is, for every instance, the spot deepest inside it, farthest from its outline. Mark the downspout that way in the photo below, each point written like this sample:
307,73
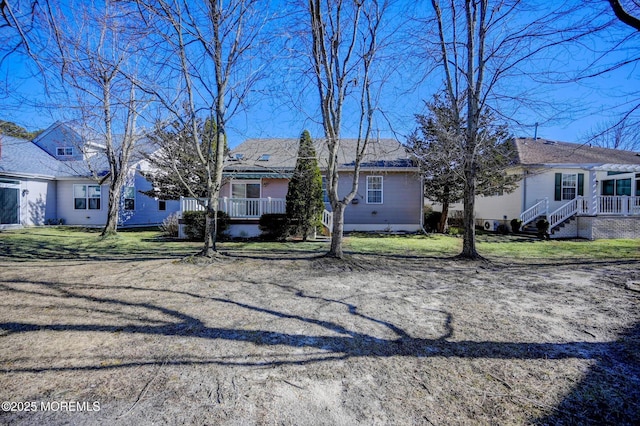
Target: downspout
422,206
524,191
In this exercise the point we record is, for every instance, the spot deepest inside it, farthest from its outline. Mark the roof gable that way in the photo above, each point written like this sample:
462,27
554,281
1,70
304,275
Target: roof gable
61,142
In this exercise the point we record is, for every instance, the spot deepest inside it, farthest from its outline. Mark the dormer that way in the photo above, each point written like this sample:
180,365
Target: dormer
61,142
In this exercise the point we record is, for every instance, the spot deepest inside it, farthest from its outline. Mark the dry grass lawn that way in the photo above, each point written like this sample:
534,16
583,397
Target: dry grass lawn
295,338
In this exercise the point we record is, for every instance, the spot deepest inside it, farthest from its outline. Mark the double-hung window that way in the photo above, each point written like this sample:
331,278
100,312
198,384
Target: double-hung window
86,197
325,193
374,189
569,186
129,193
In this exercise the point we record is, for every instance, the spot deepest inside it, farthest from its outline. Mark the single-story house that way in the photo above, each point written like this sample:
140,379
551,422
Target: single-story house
257,173
583,191
62,177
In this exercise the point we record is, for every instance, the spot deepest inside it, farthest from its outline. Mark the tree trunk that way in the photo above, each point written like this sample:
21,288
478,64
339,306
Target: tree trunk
336,233
469,240
442,225
211,227
113,208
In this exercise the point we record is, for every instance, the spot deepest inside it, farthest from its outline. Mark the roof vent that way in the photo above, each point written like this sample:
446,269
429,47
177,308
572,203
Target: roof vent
547,142
264,157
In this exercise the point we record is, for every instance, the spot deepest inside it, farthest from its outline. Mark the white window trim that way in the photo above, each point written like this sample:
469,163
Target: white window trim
381,189
563,186
64,151
87,198
244,181
124,207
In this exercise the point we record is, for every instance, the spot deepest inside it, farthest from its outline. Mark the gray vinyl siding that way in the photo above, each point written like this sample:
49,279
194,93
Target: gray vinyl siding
146,208
401,199
38,201
60,137
85,217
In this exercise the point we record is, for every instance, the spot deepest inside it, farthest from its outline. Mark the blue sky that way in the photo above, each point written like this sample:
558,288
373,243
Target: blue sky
583,105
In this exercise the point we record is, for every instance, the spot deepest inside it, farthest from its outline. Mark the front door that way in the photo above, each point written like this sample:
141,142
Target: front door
9,206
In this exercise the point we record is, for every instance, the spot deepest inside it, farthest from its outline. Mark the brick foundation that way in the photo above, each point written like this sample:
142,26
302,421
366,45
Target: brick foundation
601,227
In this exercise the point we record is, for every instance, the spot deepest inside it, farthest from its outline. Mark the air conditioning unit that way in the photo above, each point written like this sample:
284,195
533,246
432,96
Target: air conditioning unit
491,225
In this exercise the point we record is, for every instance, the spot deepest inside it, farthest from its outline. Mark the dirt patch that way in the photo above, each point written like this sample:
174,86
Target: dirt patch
311,340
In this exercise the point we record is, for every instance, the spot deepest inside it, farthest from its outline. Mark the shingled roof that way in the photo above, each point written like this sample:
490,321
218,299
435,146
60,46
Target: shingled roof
542,151
281,154
21,157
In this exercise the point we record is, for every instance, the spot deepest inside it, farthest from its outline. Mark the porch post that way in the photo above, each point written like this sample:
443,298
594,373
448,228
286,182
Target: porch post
546,206
593,194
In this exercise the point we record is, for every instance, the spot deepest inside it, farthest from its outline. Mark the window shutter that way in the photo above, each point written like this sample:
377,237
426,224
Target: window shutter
558,193
580,183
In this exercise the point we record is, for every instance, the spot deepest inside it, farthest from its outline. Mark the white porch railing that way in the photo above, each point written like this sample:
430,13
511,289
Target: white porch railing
538,209
239,207
192,204
327,220
621,205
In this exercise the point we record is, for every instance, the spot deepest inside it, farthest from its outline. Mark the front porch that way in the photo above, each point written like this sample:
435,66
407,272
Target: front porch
238,208
601,210
245,212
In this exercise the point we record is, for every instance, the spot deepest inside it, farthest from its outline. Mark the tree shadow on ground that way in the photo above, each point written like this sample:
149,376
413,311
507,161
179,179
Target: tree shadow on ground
597,398
609,394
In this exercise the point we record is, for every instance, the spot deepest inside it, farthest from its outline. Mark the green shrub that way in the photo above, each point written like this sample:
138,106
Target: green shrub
195,224
543,228
454,230
431,221
502,229
274,226
515,225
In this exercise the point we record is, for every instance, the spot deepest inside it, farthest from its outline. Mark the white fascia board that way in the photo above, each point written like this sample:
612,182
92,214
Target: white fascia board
27,175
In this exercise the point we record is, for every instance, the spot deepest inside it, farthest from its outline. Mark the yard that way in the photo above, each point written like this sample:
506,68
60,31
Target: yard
544,332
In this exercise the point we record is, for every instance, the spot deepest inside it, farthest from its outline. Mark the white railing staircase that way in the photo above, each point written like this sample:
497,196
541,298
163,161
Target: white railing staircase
563,213
327,220
556,217
532,213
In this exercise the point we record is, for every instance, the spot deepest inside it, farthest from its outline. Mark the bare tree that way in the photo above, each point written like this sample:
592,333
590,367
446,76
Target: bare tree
620,134
17,19
344,48
207,56
97,48
627,16
481,46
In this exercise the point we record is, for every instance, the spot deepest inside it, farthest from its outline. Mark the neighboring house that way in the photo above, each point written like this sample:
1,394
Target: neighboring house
583,191
62,177
257,174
